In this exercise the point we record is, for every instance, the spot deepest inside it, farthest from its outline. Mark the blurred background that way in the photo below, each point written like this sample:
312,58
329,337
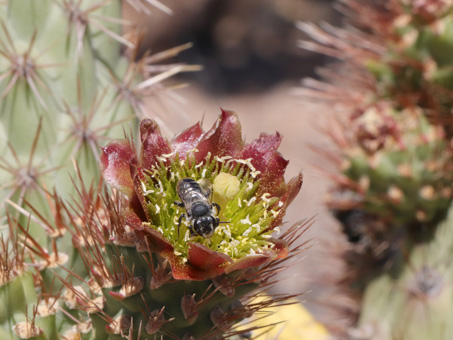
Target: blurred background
252,65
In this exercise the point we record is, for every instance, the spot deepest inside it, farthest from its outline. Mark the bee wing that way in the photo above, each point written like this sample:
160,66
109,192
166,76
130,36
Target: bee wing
206,188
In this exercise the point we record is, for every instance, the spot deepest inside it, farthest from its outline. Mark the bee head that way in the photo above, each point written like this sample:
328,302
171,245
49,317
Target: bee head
206,225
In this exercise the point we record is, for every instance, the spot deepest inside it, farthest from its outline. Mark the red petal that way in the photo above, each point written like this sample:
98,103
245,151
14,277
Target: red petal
139,199
250,261
204,258
115,165
153,144
131,218
224,138
187,140
267,160
185,271
280,247
294,186
157,242
279,251
292,189
196,268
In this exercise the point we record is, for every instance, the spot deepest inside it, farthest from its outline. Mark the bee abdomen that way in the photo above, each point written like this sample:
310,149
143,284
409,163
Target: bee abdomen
186,186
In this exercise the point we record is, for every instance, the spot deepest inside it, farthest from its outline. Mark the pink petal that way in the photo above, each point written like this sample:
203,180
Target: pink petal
224,138
267,160
153,144
187,140
115,165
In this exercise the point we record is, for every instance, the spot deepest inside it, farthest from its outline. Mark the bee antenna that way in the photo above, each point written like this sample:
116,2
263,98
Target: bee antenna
225,222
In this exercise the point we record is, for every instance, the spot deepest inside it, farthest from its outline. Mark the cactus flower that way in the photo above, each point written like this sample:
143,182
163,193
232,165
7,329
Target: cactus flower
247,182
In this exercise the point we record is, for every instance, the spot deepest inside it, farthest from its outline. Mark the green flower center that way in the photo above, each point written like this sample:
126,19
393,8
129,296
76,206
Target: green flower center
245,218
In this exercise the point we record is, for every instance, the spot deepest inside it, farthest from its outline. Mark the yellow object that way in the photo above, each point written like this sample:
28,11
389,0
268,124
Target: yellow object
226,186
294,323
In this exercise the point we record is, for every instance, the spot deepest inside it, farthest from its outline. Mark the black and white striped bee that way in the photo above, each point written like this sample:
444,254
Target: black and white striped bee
201,212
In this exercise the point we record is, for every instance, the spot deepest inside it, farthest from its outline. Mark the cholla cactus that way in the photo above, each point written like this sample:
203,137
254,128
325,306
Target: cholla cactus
66,88
122,267
394,192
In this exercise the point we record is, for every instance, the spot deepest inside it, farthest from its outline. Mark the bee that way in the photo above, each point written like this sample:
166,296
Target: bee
201,212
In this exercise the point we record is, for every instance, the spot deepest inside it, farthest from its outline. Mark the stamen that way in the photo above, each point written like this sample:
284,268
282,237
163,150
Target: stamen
233,184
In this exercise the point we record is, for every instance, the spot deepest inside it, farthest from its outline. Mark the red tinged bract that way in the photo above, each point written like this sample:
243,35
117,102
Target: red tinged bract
125,171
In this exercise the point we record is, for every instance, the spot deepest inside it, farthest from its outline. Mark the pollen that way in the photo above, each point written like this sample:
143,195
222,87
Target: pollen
251,201
266,197
246,220
226,186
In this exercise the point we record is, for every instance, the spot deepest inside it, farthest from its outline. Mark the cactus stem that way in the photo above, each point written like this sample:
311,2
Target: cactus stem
132,91
224,285
129,288
54,230
80,19
12,259
54,260
189,308
218,318
47,307
21,67
25,179
161,275
81,128
155,321
120,325
28,329
75,297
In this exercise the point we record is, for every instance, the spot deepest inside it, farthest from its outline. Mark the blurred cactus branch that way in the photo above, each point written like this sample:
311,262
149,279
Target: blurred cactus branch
390,94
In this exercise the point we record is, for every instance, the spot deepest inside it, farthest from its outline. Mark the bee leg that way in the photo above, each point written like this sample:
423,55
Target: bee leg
192,231
179,221
179,204
217,207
